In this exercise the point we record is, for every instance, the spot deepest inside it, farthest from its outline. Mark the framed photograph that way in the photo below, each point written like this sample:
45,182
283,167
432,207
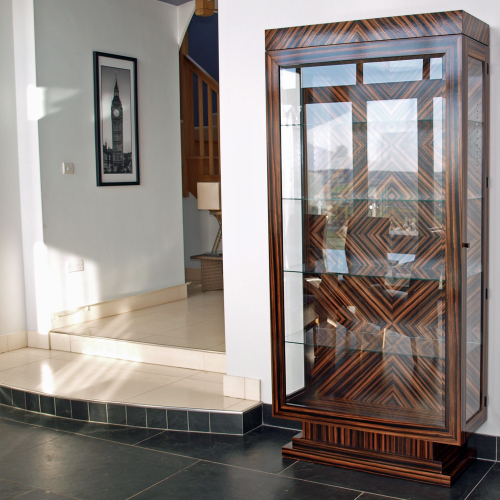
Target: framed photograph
116,126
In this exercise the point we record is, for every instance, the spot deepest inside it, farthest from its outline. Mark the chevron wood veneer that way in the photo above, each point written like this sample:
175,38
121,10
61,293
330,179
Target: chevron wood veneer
382,349
369,30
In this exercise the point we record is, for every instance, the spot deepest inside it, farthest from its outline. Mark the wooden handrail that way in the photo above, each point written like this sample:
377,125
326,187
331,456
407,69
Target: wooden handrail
210,80
198,164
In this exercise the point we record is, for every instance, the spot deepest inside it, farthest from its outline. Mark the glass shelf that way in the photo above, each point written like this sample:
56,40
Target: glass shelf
388,272
389,342
370,200
364,123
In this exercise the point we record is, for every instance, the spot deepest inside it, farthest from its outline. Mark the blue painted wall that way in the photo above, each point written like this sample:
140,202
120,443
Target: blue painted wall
203,47
203,36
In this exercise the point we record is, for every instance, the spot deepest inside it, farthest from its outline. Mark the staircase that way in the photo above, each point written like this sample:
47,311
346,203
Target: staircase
200,129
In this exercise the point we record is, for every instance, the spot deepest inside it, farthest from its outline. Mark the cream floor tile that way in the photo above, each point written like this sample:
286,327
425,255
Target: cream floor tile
46,375
102,379
178,342
116,388
174,334
246,404
78,378
151,328
40,353
170,371
96,360
217,347
203,386
187,394
203,330
200,317
117,334
216,378
14,359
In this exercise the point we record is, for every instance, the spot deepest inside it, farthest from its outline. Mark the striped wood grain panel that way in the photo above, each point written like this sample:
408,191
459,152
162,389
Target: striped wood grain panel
388,28
369,440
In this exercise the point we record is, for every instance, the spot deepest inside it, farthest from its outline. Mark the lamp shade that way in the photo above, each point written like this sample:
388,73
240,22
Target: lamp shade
208,195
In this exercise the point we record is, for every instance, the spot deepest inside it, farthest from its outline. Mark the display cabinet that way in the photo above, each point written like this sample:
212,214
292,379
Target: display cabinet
378,196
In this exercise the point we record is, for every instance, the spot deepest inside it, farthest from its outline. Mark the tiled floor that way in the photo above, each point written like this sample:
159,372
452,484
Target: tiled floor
80,376
53,459
195,323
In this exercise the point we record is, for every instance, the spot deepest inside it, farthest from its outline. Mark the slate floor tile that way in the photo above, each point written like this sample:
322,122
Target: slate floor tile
108,432
16,438
119,433
489,487
391,487
209,481
43,495
10,490
47,421
258,450
90,468
370,496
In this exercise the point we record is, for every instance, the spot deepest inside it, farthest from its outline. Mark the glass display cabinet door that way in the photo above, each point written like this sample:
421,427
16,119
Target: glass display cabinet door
363,218
475,249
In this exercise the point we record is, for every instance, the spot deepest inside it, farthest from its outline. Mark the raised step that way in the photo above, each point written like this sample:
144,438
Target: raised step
112,391
142,352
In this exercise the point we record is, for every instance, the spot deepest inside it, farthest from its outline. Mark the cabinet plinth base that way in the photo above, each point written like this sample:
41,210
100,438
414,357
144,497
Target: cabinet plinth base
381,454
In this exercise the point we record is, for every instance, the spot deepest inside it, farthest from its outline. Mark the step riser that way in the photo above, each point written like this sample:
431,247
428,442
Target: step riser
145,353
151,417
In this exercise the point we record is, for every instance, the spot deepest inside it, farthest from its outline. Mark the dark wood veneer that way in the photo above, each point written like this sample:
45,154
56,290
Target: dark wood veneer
386,28
425,439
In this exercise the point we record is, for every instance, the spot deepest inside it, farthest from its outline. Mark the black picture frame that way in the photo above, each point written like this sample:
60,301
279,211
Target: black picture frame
117,164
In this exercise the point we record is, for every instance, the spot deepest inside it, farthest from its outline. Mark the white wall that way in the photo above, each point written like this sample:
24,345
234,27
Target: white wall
184,14
244,182
12,304
130,237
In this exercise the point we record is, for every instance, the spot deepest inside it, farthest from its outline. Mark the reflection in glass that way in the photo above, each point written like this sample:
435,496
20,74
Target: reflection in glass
294,321
363,216
291,141
474,236
438,113
329,151
436,70
290,96
392,149
393,71
329,76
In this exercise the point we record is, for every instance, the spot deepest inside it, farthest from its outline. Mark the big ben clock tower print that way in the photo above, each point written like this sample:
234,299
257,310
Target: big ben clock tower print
115,80
117,129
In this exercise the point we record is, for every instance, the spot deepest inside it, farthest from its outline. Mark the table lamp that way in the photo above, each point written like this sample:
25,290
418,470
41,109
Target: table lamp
209,199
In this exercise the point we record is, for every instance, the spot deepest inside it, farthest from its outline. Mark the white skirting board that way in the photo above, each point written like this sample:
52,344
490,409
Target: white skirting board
119,306
13,341
241,387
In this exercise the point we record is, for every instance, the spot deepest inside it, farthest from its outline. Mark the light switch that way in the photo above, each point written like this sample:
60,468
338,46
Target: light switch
68,168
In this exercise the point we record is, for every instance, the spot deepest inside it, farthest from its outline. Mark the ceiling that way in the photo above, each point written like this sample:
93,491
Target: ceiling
175,2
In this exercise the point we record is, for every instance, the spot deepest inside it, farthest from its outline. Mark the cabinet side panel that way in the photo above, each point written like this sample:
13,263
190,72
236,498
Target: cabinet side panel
476,231
476,29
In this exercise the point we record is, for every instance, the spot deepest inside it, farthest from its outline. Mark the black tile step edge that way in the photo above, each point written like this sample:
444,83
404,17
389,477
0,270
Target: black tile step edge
152,417
181,419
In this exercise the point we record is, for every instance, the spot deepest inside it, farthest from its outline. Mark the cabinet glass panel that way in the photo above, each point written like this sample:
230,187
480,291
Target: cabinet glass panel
474,236
363,238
